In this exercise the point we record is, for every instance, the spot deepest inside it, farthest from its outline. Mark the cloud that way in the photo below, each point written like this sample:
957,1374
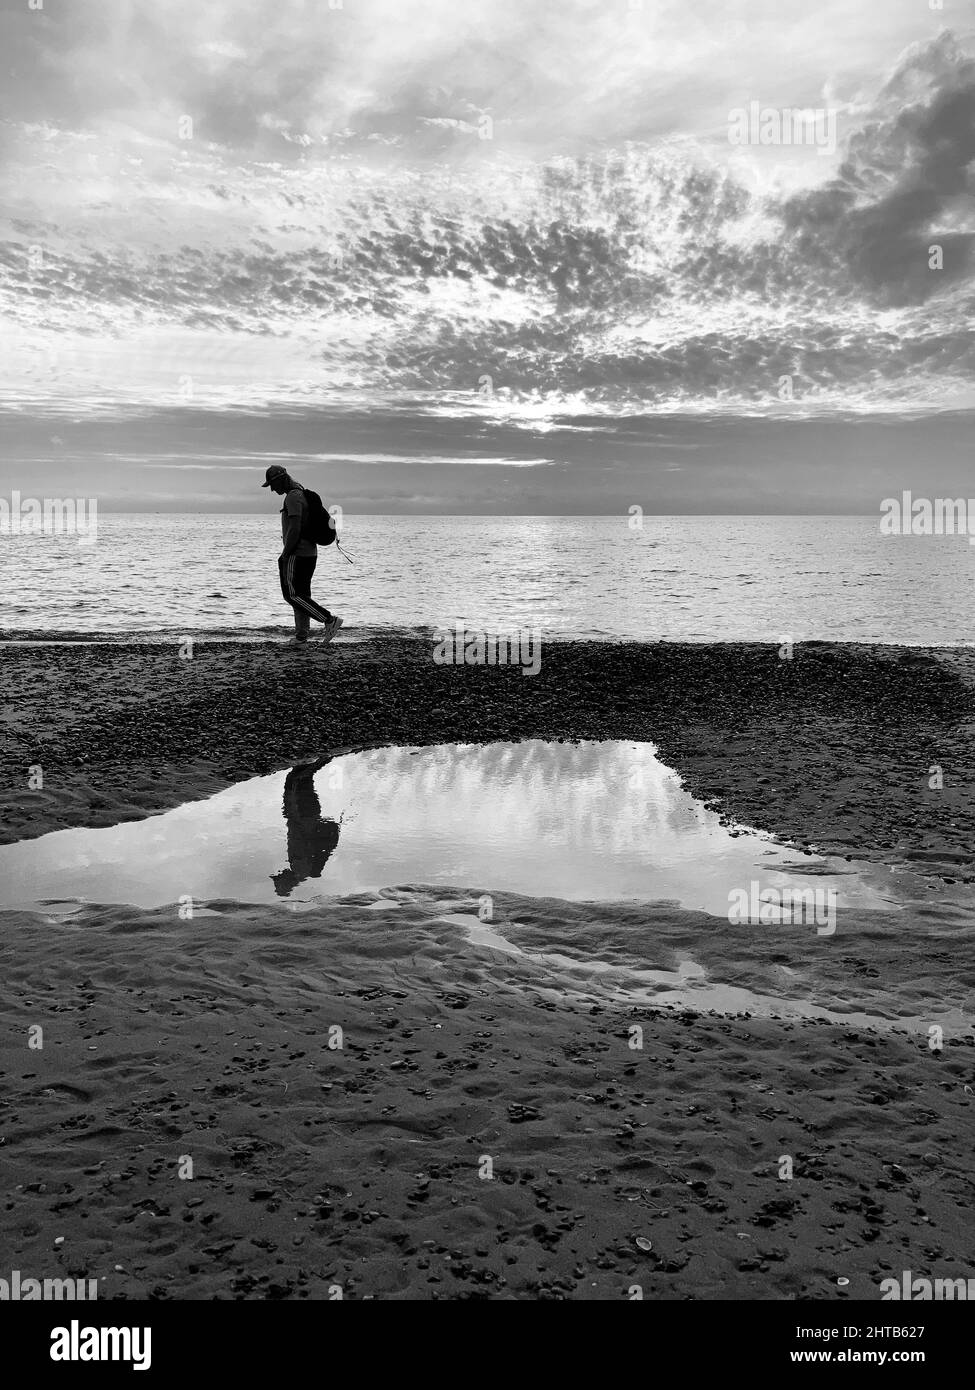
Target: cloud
907,180
576,73
336,229
424,460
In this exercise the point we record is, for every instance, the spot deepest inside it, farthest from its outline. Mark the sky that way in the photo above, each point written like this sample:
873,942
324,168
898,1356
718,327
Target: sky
498,256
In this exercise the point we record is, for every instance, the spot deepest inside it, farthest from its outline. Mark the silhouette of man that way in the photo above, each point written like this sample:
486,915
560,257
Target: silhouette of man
311,836
298,558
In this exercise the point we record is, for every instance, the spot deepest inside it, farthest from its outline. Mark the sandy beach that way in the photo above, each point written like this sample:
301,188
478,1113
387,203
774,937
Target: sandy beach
487,1127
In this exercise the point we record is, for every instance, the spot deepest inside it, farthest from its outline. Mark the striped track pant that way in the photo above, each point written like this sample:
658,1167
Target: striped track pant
296,572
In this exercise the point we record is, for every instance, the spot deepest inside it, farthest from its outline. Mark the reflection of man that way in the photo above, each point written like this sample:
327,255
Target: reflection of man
311,837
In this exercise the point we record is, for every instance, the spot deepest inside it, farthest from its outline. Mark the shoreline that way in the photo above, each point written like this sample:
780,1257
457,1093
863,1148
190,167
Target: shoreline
274,633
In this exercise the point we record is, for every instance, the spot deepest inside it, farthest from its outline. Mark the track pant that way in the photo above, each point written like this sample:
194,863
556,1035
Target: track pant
296,572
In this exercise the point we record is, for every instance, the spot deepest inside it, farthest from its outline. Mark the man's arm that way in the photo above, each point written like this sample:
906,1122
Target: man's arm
292,535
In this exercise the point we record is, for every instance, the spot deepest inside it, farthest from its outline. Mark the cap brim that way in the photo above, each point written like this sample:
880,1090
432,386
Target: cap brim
266,483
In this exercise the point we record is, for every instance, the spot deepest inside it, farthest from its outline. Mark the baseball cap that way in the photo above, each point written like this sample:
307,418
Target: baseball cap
275,471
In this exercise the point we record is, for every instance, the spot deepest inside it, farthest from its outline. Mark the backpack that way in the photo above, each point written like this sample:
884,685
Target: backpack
319,526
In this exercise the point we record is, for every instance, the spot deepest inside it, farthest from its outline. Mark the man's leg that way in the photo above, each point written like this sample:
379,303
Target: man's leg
302,620
298,570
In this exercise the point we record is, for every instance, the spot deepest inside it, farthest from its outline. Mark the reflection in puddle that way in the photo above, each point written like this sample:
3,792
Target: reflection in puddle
589,821
311,836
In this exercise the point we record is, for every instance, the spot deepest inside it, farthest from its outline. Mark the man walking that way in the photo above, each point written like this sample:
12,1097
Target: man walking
298,558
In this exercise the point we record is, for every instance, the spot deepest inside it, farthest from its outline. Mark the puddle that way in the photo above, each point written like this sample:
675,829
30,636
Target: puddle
595,821
599,821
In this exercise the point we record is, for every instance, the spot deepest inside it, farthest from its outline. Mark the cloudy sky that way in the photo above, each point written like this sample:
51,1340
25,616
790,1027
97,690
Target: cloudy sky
496,256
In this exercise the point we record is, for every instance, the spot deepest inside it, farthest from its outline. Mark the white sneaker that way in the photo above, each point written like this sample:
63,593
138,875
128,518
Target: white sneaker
330,630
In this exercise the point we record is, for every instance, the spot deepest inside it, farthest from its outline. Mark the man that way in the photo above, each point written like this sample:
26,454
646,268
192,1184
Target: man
297,561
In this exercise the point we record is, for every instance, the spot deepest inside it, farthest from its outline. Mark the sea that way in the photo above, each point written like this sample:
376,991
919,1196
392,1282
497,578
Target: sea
622,578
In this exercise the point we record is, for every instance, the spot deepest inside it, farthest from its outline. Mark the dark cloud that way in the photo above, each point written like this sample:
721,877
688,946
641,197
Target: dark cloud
918,150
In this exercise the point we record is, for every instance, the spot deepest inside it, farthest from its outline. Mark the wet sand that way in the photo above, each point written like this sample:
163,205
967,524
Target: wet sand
480,1133
486,1130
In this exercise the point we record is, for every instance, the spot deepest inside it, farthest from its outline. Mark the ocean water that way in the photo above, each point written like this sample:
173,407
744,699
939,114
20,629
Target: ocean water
687,578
